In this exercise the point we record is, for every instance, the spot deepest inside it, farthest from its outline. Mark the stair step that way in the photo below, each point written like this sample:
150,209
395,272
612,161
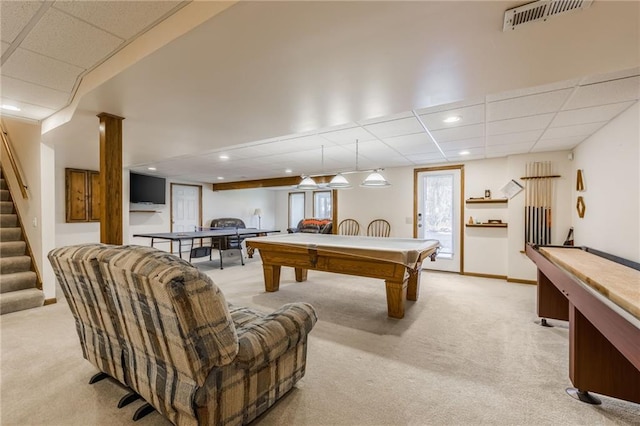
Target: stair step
17,281
8,220
5,195
6,207
12,248
9,265
10,234
3,184
21,300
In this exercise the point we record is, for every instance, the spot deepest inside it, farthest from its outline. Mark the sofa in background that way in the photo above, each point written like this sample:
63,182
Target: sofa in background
161,327
313,226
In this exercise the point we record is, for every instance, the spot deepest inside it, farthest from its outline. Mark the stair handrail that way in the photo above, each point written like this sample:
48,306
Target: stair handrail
16,171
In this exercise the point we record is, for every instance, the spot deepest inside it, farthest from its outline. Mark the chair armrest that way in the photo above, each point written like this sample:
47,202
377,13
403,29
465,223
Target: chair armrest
267,338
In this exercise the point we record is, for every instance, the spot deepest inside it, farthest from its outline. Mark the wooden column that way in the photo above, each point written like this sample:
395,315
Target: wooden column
110,178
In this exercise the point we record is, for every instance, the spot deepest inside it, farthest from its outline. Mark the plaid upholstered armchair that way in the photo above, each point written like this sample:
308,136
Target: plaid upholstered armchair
193,357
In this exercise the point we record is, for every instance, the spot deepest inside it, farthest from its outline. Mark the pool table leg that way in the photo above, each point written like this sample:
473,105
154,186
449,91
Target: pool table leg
396,297
301,274
413,289
271,277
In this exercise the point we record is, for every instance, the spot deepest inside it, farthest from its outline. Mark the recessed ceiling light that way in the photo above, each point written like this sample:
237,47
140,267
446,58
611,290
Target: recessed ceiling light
452,119
288,171
223,157
10,107
220,177
464,153
151,168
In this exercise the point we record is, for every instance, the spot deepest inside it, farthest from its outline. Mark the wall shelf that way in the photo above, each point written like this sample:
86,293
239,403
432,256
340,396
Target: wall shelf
487,201
486,225
144,211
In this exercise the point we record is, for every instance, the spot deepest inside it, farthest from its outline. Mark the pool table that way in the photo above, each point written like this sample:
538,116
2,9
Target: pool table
398,261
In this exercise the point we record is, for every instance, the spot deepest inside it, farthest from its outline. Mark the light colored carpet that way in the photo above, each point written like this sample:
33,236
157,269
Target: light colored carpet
468,352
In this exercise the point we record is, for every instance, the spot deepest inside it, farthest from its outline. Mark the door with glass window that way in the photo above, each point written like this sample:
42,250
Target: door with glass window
438,213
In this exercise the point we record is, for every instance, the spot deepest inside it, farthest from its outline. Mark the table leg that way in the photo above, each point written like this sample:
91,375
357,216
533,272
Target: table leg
301,274
413,289
271,277
396,297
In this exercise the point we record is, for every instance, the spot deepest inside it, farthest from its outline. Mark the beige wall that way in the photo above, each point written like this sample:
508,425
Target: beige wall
610,160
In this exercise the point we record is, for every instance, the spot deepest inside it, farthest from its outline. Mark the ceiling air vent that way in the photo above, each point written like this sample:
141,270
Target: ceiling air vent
540,11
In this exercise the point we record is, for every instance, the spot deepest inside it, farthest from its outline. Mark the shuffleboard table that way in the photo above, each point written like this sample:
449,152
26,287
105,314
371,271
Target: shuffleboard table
398,261
599,294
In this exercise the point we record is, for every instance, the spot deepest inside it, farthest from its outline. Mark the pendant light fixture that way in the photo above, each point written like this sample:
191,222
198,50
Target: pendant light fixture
339,182
375,180
307,183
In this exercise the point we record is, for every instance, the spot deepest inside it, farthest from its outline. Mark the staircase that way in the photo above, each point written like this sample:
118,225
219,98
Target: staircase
18,281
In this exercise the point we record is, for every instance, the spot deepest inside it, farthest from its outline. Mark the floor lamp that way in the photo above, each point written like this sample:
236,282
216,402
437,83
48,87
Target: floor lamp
258,212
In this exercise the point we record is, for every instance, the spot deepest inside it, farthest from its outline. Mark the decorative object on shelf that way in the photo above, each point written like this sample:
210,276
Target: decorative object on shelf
579,181
511,189
487,193
487,201
258,212
581,207
486,225
494,221
470,220
538,202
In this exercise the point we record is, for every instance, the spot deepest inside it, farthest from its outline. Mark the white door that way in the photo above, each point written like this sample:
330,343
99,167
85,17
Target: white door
185,209
438,215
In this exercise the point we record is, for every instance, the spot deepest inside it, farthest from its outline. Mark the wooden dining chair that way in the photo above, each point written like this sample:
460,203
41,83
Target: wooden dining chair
349,227
379,228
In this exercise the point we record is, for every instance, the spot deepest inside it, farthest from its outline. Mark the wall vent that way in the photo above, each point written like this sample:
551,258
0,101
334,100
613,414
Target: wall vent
540,10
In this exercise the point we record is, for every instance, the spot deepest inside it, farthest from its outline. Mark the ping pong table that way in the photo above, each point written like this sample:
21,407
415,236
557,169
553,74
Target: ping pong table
218,239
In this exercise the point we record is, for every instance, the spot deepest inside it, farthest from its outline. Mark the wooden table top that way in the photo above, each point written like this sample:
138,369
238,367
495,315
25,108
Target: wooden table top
617,282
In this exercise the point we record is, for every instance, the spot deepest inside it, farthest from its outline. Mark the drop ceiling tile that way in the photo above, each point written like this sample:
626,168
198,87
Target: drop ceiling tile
389,129
599,78
589,115
123,19
34,68
14,16
626,89
463,132
456,152
347,136
510,149
450,106
527,105
5,46
557,144
514,138
70,40
305,142
522,124
536,90
468,115
29,111
416,143
462,144
583,130
33,94
426,158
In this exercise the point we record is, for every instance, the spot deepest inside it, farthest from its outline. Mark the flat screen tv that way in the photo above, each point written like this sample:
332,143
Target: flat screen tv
146,189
